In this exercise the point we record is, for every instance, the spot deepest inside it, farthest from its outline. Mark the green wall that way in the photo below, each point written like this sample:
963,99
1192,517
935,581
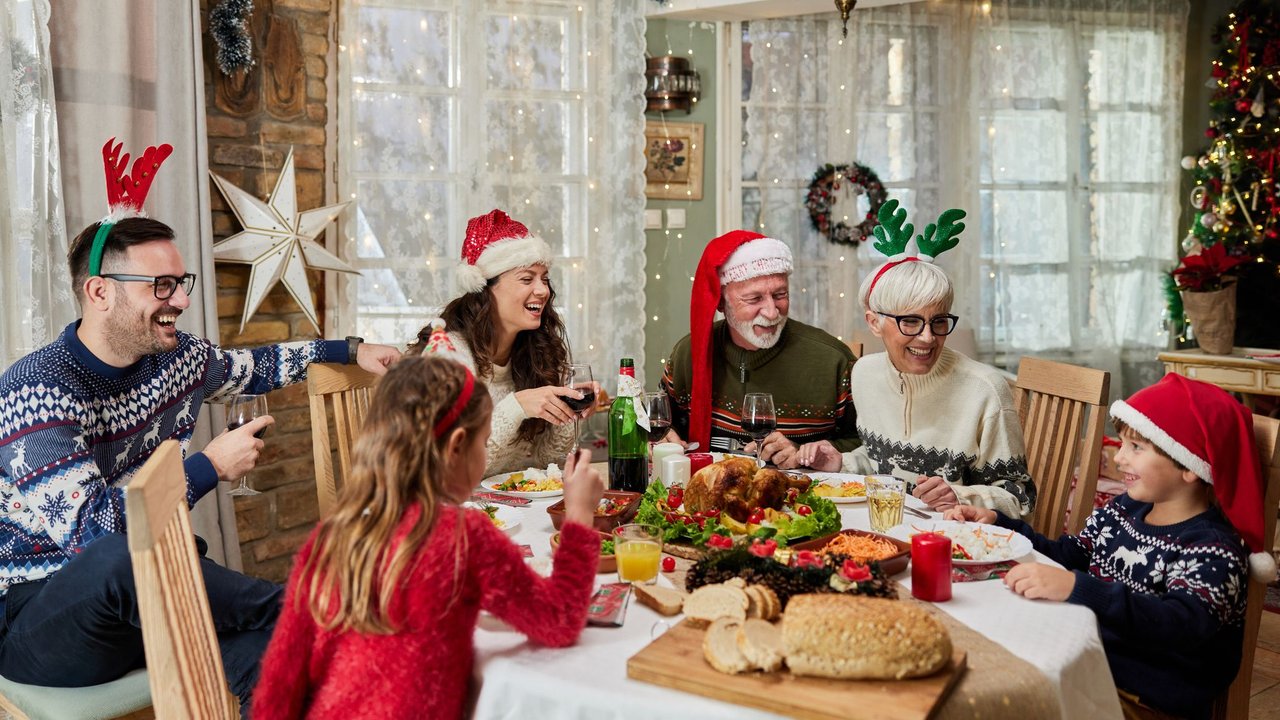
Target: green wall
672,255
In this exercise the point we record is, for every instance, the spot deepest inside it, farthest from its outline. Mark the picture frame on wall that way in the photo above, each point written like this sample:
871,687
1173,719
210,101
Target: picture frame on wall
673,160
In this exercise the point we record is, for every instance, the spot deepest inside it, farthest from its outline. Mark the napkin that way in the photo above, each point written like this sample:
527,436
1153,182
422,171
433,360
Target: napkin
983,571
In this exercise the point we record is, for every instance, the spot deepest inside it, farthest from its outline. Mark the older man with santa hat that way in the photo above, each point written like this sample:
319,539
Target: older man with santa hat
756,348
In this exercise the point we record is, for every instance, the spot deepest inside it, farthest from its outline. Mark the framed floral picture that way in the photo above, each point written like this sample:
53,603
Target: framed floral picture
673,160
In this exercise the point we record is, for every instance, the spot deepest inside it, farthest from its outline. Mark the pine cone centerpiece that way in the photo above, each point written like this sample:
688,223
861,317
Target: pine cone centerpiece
787,579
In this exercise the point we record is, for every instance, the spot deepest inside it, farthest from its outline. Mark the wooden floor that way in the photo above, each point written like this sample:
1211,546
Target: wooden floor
1265,702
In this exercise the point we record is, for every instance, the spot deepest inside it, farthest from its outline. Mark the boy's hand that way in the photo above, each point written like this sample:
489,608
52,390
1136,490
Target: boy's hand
969,513
582,488
1040,582
936,493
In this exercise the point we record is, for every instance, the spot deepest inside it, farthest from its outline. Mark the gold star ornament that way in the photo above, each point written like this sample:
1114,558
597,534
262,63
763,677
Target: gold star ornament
278,242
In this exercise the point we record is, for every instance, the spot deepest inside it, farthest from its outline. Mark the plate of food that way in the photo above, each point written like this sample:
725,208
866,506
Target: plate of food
971,543
839,488
531,482
504,518
864,547
616,507
608,561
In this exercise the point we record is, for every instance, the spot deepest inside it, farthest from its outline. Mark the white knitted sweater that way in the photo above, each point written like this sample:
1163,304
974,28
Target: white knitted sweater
505,452
957,421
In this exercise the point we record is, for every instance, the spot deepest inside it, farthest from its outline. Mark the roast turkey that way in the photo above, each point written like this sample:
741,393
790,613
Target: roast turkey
737,485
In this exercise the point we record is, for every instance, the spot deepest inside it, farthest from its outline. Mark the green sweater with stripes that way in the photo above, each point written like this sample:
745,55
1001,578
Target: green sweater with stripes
807,373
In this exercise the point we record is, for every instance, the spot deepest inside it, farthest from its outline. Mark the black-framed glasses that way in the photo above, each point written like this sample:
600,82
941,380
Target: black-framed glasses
163,285
912,325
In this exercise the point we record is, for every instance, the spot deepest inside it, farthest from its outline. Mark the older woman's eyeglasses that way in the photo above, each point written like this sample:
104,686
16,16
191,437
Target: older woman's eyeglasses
912,325
164,285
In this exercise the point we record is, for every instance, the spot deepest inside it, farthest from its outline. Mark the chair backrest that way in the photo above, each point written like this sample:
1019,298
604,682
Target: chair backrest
343,393
1063,414
855,347
183,660
1234,703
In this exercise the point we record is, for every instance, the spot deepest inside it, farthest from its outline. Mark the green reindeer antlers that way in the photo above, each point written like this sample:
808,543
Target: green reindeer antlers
892,234
947,230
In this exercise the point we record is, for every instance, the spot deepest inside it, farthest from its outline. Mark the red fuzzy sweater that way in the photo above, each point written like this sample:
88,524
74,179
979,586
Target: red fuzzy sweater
424,670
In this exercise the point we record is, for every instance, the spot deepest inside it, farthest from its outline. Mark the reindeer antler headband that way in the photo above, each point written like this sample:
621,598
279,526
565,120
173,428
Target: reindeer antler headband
125,193
893,238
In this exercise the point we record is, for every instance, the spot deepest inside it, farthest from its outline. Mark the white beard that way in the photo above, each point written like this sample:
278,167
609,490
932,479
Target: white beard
746,330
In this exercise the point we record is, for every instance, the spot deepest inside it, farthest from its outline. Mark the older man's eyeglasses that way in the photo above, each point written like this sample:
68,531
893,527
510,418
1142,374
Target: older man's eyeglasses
163,285
912,325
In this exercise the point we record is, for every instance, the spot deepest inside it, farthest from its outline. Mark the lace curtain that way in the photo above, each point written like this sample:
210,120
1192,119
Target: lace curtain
451,109
1055,124
34,282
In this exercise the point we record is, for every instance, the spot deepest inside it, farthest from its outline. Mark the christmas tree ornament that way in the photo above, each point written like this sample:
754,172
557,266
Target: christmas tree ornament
1199,197
1243,106
278,242
1190,244
1258,108
229,26
1226,207
1208,220
1204,162
1219,227
1188,162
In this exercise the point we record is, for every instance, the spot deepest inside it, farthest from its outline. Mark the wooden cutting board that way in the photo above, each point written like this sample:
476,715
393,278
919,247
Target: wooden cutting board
675,660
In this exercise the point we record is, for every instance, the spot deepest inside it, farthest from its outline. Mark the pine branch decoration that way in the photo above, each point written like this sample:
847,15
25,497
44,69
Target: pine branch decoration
229,25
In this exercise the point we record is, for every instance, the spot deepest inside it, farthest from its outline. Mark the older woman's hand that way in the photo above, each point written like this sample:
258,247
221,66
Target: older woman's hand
936,493
775,448
544,402
820,455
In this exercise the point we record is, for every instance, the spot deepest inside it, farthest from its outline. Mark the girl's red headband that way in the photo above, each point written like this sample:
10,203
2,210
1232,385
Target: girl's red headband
445,423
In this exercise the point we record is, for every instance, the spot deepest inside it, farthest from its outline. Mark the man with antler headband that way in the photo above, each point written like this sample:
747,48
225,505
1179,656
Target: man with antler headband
925,413
80,416
756,348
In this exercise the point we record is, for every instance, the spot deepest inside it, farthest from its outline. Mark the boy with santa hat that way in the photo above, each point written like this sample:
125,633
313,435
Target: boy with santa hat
1164,566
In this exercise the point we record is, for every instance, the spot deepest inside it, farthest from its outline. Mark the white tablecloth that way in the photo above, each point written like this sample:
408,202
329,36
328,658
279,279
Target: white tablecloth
519,680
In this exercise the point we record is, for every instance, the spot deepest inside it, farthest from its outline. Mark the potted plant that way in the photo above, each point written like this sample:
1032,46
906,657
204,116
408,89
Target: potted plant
1206,281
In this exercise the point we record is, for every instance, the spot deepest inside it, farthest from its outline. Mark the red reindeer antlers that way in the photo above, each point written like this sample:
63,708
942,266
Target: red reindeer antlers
131,190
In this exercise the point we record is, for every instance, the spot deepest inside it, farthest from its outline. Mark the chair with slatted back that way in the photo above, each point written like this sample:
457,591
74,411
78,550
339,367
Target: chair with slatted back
855,347
1063,412
340,396
183,659
1234,703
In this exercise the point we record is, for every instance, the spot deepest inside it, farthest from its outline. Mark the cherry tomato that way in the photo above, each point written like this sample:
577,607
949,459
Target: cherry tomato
702,523
792,494
756,517
674,501
803,510
668,564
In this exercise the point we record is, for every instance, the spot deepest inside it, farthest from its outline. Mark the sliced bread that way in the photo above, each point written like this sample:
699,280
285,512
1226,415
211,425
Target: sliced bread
720,647
664,600
755,602
770,606
760,642
711,602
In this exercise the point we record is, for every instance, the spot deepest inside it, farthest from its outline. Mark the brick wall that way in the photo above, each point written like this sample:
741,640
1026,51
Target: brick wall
253,119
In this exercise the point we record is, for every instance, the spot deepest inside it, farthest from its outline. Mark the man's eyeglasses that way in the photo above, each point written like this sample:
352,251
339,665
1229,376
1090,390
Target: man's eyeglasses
912,325
164,285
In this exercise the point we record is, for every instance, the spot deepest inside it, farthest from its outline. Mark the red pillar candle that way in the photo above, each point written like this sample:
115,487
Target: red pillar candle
931,567
697,461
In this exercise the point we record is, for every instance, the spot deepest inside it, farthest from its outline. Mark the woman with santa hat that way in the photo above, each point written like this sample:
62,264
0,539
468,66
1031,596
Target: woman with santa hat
505,327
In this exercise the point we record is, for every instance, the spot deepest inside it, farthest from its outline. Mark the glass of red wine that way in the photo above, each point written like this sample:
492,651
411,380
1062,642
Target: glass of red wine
242,409
578,377
659,409
758,418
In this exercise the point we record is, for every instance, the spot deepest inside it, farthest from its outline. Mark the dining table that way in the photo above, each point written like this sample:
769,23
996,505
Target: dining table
1039,658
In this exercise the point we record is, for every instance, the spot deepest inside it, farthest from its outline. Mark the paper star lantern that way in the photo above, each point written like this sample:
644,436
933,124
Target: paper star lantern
278,241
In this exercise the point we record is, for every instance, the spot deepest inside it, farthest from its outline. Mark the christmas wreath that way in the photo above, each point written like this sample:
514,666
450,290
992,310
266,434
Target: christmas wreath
831,182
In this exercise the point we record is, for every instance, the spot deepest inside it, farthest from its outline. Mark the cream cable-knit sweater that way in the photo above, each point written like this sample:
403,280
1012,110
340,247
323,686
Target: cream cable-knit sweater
957,421
505,452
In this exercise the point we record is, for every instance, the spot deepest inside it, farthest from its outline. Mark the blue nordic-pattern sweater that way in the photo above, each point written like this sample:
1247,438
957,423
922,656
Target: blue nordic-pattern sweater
74,430
1169,599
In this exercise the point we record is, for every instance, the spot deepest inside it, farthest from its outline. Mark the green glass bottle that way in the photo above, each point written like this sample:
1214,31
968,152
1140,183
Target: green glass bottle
628,441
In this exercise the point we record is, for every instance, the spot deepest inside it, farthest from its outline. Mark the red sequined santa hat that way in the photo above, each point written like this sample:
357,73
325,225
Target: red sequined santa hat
1208,432
496,243
733,257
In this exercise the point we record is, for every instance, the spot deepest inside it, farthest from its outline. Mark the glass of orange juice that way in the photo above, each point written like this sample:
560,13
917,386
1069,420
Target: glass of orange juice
638,549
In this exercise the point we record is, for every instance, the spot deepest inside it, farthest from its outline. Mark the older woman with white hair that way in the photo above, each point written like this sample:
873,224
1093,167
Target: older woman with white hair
926,413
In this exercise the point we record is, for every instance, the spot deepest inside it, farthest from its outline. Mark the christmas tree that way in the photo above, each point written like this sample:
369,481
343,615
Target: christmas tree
1236,201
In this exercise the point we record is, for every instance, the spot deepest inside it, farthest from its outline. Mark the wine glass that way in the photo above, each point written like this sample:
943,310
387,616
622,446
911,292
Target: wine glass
659,409
242,409
758,418
578,377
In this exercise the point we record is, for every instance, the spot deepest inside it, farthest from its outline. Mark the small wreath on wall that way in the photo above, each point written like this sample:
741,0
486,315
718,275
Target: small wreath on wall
840,195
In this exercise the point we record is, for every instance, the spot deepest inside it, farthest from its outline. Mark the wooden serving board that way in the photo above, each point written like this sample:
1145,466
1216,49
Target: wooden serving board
675,660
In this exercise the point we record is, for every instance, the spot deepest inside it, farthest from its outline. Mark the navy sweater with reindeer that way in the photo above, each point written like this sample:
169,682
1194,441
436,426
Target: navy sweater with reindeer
74,430
1170,599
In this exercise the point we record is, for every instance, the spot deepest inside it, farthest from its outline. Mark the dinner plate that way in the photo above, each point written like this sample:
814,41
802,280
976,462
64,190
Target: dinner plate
509,517
835,480
1015,547
493,483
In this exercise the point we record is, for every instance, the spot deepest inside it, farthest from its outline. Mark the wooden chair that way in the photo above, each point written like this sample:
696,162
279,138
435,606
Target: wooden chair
855,348
1058,405
343,391
183,660
1234,703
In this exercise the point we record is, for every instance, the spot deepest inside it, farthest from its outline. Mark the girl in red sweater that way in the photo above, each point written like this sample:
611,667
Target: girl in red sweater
380,610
